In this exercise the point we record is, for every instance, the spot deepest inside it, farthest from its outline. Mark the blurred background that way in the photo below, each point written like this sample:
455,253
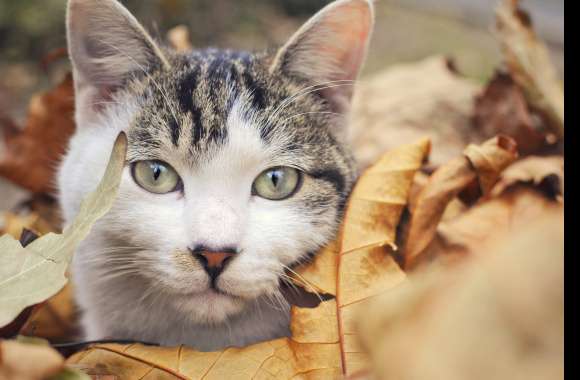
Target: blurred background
406,31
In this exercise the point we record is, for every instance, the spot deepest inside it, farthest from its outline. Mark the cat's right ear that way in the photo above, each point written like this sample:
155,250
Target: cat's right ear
106,45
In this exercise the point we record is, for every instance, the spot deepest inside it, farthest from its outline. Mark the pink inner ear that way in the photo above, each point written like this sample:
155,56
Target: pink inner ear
104,94
351,33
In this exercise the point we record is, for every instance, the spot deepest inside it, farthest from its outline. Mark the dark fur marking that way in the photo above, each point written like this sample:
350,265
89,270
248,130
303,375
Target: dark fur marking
185,91
257,91
333,176
174,128
198,132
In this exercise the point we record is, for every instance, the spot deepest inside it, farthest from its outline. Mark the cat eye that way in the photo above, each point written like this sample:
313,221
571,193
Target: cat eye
277,183
156,176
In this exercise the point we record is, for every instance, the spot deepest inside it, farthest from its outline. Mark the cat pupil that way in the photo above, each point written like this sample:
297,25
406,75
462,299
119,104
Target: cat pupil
156,172
275,177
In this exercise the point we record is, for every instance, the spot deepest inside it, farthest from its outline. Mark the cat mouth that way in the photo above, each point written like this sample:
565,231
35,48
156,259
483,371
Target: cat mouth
216,293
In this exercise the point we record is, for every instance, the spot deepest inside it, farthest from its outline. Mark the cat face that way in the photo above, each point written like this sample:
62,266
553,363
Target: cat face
237,166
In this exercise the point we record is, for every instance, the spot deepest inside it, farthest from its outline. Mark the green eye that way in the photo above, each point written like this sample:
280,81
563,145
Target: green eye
156,176
277,183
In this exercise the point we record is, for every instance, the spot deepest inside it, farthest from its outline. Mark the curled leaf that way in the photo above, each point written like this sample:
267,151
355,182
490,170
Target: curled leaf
480,165
31,275
529,63
544,173
529,189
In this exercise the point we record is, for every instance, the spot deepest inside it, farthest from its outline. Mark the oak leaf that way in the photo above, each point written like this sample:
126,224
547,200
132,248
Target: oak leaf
31,275
358,266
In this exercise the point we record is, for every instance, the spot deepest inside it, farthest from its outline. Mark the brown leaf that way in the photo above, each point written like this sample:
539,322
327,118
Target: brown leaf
544,173
322,343
498,315
20,361
30,156
527,190
480,165
367,266
482,225
14,224
54,319
502,108
528,61
404,103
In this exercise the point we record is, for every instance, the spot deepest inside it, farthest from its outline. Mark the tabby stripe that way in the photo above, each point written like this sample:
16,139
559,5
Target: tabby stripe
332,176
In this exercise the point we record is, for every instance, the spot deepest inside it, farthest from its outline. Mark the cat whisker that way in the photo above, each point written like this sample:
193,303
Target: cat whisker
311,287
308,113
308,90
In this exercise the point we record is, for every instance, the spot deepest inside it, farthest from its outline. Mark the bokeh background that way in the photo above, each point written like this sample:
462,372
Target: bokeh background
406,31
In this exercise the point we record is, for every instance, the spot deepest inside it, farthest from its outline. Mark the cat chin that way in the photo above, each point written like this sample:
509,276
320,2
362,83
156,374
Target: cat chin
209,307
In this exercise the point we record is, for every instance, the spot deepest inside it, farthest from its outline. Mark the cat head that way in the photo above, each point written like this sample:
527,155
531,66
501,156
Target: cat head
237,163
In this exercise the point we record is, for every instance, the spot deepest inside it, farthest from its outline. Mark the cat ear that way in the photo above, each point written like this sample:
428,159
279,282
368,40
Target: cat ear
106,46
330,47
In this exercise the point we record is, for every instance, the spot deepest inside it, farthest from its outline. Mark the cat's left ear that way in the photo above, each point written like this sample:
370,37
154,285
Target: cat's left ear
329,49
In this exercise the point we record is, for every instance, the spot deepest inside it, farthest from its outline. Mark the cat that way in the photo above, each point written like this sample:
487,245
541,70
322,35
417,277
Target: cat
238,169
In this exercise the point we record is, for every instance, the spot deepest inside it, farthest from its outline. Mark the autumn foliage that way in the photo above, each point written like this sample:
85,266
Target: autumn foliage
448,264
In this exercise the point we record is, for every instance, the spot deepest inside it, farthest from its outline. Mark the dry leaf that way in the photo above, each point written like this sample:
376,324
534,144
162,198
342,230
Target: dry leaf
544,173
33,359
410,101
502,108
14,224
527,190
529,63
54,319
480,164
483,225
498,315
21,361
322,345
31,155
31,275
12,329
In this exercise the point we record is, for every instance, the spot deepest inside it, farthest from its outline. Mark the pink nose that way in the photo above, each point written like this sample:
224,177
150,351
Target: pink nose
215,260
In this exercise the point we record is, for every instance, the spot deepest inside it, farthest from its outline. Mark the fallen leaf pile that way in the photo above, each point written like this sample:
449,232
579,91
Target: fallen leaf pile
448,264
31,155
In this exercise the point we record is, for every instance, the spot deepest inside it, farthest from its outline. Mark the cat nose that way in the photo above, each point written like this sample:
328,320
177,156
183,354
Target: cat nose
213,261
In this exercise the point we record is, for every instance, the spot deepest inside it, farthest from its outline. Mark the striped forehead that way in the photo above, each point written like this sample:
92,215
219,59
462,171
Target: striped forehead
206,89
185,113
